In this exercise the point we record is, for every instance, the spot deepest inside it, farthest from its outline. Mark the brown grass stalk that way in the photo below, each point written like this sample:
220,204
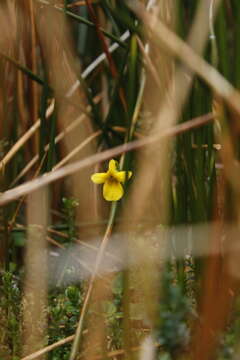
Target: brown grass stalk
23,139
35,289
32,185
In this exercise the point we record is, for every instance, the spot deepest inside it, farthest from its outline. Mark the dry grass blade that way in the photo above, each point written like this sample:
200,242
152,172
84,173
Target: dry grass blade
22,141
214,318
149,63
76,150
48,348
177,93
57,139
180,49
51,347
139,276
150,195
34,301
31,186
45,350
61,57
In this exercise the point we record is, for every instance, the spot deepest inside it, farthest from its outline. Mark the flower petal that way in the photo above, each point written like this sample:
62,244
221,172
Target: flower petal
121,175
112,191
99,178
112,166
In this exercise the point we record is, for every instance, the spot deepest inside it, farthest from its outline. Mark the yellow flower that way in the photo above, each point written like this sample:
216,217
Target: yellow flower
112,180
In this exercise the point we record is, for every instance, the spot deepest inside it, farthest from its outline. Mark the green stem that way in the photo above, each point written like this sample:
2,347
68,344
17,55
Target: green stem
52,145
78,335
23,69
91,24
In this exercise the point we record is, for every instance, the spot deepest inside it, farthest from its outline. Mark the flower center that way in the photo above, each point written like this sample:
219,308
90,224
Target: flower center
112,179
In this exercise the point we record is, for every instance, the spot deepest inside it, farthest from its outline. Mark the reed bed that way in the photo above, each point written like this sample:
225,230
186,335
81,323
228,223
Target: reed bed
120,180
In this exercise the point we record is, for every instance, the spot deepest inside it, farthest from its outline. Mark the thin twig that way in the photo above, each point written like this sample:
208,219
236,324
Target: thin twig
49,348
69,339
76,258
89,139
83,243
76,150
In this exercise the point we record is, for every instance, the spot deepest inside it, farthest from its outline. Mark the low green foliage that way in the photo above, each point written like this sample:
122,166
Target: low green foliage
63,313
175,308
10,316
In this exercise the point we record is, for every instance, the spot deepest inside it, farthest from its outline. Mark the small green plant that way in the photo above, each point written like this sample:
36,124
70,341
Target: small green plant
10,316
114,313
229,339
63,313
69,207
175,308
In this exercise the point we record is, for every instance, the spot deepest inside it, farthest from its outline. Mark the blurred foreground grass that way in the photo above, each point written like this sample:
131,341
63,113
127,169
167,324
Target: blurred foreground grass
79,79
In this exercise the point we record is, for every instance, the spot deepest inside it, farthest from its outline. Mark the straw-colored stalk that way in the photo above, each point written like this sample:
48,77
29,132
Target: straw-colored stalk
35,288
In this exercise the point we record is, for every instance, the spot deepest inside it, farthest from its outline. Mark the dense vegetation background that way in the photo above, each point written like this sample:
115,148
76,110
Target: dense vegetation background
154,85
